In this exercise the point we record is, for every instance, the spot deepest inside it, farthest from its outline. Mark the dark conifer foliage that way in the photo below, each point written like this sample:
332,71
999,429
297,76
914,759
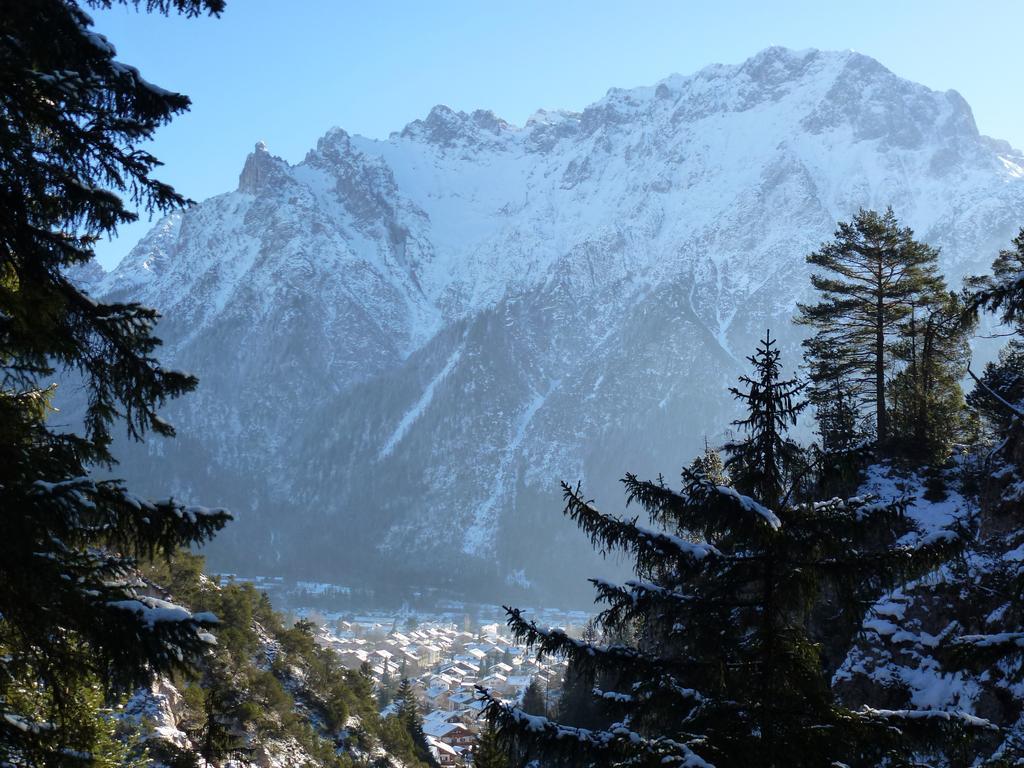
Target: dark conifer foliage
409,714
1000,380
387,688
71,121
987,648
576,703
490,752
999,392
926,402
1002,292
873,272
533,700
724,669
999,397
217,733
764,463
710,465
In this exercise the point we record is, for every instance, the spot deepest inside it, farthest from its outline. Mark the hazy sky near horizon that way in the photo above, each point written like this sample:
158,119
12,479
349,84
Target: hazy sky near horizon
284,72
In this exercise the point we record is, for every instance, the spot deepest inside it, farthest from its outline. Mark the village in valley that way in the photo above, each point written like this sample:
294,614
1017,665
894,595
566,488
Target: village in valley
445,653
444,664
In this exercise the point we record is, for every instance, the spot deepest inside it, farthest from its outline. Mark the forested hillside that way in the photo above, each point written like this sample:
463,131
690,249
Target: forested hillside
266,695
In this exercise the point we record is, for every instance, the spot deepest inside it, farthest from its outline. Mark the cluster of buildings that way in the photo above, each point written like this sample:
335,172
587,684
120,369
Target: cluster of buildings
445,648
444,664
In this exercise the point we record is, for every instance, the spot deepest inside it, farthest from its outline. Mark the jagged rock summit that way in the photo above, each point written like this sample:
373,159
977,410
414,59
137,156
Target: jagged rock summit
259,169
404,344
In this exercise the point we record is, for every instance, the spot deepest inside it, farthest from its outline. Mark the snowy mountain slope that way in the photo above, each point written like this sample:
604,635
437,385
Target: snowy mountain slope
405,343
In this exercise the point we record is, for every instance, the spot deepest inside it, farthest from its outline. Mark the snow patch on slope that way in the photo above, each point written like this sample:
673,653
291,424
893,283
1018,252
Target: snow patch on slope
480,535
410,416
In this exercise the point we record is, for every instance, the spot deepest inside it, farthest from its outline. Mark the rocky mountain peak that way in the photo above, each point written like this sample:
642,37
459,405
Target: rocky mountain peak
776,66
876,105
445,127
259,169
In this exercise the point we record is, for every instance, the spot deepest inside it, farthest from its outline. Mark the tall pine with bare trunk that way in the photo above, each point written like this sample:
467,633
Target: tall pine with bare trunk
870,276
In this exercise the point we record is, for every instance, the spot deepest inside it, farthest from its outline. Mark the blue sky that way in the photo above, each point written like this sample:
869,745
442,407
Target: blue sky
284,71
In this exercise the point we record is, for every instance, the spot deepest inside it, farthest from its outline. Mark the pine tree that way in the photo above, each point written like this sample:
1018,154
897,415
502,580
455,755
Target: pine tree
533,700
1002,292
218,735
874,272
765,461
926,402
489,751
90,719
73,118
709,465
408,712
1001,380
724,669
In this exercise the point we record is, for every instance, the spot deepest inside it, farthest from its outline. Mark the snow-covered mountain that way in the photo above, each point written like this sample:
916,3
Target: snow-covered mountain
404,344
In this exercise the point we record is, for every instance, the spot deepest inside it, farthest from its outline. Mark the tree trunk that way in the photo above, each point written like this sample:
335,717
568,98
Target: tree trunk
880,415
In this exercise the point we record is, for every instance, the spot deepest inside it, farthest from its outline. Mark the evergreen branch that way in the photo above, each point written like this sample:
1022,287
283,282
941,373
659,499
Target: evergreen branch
703,507
617,745
552,641
1013,409
906,716
609,533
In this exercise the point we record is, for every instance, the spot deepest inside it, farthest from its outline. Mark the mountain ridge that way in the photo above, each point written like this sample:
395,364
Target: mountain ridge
404,343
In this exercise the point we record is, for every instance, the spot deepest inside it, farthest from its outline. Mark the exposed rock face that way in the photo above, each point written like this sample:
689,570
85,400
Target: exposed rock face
404,344
261,171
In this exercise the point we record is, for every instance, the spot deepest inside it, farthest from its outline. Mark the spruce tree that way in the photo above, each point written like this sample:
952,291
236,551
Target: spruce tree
1002,292
72,119
1000,390
724,669
1001,380
489,751
408,712
576,703
874,271
993,645
841,423
709,464
533,700
926,402
765,461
